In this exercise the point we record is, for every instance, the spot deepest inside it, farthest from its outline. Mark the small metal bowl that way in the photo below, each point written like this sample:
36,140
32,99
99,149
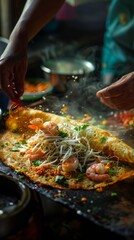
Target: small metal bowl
59,71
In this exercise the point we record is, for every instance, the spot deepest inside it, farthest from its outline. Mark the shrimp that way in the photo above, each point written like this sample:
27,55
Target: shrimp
97,172
37,121
32,141
50,128
70,164
34,154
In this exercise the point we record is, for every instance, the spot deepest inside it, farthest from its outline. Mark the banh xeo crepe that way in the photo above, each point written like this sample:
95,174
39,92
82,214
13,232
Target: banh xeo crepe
60,152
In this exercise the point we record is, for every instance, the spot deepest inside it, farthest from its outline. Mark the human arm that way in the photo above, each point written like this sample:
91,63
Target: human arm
119,95
14,61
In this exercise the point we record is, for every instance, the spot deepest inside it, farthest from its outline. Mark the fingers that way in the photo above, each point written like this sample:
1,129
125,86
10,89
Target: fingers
116,96
119,95
109,102
114,90
7,85
12,76
115,100
19,80
106,93
117,103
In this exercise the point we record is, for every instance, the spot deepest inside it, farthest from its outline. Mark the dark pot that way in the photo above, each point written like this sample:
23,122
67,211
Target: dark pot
16,207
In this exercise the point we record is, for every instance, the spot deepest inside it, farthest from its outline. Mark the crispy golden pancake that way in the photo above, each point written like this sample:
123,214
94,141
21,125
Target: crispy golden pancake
59,152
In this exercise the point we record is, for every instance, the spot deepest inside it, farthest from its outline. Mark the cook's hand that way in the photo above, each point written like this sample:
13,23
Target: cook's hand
13,67
119,95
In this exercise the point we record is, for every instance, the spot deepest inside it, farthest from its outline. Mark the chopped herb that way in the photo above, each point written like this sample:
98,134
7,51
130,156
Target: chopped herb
111,172
24,141
102,126
24,168
64,115
18,144
3,144
61,180
79,177
63,134
103,140
42,178
83,127
14,149
92,184
37,162
6,113
113,194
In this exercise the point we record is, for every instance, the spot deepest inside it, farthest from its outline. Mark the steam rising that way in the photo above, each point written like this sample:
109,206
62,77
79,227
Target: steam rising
80,96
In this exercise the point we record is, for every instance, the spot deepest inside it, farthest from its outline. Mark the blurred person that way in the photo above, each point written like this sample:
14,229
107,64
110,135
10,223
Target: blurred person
118,44
118,57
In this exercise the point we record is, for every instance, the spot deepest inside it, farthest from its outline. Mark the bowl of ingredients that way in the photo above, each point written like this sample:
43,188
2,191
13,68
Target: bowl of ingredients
36,88
60,71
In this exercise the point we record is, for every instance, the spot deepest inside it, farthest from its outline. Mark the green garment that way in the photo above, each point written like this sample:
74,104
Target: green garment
118,48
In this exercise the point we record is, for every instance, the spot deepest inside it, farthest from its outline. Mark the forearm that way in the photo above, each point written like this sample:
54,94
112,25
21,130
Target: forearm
35,15
14,60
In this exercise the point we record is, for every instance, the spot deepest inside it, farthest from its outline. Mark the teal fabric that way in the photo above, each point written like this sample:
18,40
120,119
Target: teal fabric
118,47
